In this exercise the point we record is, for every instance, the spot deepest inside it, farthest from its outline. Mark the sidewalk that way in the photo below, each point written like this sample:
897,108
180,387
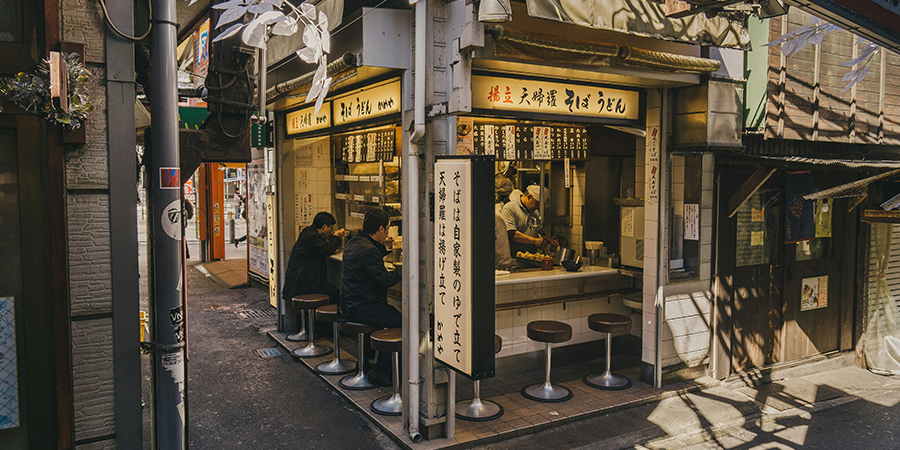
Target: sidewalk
681,414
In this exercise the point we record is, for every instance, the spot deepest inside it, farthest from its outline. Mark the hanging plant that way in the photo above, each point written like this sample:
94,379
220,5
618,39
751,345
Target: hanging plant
31,92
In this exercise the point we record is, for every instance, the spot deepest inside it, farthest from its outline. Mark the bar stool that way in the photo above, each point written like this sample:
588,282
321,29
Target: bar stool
609,324
549,331
300,335
358,382
329,314
309,302
389,340
478,410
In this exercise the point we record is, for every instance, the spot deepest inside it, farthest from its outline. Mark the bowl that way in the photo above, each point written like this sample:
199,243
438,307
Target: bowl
571,266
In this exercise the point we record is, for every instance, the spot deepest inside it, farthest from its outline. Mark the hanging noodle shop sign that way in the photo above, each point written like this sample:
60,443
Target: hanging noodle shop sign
567,99
464,278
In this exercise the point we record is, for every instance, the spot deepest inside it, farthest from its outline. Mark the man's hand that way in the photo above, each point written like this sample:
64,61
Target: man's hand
340,233
542,243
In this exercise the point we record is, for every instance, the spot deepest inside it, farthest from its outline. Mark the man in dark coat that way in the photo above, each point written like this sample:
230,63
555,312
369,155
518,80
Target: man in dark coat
305,272
364,286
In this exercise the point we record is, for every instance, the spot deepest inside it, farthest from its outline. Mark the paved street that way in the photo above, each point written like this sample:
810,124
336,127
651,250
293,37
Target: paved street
239,399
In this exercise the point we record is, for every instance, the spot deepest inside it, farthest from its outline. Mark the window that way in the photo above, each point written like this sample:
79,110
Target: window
684,216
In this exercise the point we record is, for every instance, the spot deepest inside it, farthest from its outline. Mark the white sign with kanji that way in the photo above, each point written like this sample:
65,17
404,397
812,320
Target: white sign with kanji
453,264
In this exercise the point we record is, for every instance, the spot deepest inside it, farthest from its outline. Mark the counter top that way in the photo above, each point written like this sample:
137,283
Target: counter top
558,273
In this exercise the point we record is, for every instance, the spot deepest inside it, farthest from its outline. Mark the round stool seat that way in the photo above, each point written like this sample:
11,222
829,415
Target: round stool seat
388,340
357,328
498,343
327,313
309,301
549,331
609,323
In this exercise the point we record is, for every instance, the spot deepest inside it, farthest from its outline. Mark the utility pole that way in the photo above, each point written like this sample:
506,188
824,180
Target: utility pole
168,372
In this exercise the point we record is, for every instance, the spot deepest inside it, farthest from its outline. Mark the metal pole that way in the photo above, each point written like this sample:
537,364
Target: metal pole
164,244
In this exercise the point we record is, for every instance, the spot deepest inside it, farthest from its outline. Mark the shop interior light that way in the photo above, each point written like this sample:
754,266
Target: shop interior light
494,11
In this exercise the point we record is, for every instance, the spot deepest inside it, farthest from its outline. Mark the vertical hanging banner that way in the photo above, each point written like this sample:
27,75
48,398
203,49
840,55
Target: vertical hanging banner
799,216
652,165
271,234
464,277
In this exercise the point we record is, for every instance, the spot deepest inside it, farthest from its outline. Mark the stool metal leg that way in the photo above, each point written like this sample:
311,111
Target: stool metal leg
300,335
547,392
391,405
311,350
337,366
478,410
359,382
607,379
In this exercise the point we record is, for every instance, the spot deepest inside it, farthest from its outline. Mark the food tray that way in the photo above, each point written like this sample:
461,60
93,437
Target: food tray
527,263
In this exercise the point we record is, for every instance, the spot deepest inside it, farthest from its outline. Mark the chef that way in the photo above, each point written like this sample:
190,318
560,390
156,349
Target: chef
523,222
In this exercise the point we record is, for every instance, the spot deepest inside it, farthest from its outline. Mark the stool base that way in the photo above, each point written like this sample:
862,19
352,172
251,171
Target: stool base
607,380
336,367
389,405
478,410
358,382
311,351
298,337
547,393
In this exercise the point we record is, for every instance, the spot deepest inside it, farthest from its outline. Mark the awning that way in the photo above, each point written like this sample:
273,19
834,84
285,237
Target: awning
643,17
853,189
525,45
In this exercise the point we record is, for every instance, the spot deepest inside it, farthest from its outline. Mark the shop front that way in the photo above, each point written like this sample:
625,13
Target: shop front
344,161
589,133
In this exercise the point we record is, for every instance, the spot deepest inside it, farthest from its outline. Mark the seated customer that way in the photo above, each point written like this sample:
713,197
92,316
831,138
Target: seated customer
364,286
306,270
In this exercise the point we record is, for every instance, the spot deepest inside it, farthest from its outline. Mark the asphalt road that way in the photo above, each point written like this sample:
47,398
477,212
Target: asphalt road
868,422
238,399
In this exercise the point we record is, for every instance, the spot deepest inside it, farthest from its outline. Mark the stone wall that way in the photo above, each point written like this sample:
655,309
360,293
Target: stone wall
87,191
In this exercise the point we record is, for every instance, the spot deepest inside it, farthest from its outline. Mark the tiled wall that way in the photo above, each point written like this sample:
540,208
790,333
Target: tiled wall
651,227
511,325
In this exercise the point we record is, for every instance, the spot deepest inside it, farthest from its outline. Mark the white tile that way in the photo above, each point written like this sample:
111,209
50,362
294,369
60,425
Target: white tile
520,317
504,319
519,348
519,335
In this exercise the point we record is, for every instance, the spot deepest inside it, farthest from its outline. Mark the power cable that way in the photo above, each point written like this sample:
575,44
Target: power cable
113,26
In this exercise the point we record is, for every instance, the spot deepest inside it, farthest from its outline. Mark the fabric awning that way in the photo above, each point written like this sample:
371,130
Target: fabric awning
646,18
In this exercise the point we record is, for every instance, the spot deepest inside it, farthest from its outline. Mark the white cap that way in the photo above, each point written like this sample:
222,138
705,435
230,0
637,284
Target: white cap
535,191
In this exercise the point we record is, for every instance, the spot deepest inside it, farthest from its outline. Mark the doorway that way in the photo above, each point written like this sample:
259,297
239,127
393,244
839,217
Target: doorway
784,294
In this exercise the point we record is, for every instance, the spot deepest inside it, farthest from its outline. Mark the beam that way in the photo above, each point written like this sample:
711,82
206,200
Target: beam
748,189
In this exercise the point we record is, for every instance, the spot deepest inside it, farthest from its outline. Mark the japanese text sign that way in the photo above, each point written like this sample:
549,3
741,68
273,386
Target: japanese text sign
568,99
463,278
303,120
367,103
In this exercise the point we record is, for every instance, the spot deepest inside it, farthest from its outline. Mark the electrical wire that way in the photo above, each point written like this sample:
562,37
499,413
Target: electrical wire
113,26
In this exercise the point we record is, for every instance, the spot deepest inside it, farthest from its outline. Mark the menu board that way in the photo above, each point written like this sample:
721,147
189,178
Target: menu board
534,142
463,275
368,146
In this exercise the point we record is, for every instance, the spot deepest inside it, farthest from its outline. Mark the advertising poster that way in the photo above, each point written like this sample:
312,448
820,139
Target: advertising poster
256,218
814,293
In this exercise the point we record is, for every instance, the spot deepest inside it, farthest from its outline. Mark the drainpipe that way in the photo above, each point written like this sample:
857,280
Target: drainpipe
412,211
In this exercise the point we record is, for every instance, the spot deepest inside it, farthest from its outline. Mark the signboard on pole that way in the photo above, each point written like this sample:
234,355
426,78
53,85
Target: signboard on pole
463,271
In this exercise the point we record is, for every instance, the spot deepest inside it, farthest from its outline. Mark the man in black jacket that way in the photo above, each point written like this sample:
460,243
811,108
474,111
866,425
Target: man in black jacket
364,286
305,272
